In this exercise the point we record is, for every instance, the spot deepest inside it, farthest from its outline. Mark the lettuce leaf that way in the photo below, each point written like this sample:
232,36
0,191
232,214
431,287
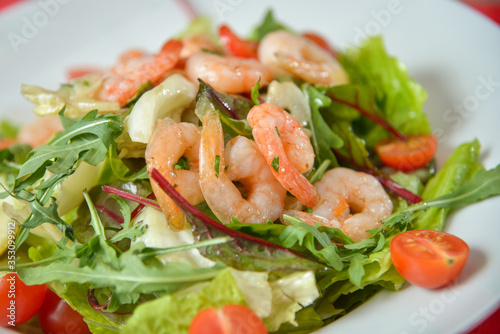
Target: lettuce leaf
289,295
174,313
399,97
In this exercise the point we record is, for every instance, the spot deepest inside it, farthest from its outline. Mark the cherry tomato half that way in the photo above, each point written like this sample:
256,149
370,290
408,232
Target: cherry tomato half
18,301
237,46
429,259
408,155
56,316
231,319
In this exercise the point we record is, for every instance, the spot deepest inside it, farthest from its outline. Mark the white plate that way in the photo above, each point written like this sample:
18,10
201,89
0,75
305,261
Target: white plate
453,51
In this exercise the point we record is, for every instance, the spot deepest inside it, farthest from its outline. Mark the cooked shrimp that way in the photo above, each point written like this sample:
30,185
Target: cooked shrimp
170,142
287,53
228,74
194,43
245,164
40,130
352,201
135,68
286,148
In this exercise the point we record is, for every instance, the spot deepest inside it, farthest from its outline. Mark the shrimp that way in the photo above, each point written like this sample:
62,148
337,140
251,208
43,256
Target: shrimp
352,201
264,195
228,74
136,68
194,43
40,130
170,142
287,53
286,148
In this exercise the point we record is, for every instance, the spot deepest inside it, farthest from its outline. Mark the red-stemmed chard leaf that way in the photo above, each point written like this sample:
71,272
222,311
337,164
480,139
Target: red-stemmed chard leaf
94,303
130,196
234,107
232,110
141,206
243,252
369,111
109,213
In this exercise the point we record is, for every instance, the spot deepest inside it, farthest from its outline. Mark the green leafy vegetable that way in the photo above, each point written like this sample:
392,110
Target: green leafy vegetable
323,139
120,170
244,252
232,110
460,167
276,164
217,165
268,25
174,313
182,164
86,140
255,93
397,96
8,130
102,265
302,233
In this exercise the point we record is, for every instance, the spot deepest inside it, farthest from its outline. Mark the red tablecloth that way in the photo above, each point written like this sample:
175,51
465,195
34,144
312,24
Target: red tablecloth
490,9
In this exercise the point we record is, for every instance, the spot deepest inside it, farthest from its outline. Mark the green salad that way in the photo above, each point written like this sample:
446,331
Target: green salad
270,172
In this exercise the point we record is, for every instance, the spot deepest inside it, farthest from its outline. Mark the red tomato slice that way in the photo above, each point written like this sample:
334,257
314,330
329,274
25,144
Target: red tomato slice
237,46
321,42
408,155
228,320
18,301
56,316
430,259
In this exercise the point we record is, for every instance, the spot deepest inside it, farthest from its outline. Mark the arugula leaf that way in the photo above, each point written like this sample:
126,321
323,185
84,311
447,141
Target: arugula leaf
302,233
13,157
128,276
484,184
86,140
42,214
104,266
